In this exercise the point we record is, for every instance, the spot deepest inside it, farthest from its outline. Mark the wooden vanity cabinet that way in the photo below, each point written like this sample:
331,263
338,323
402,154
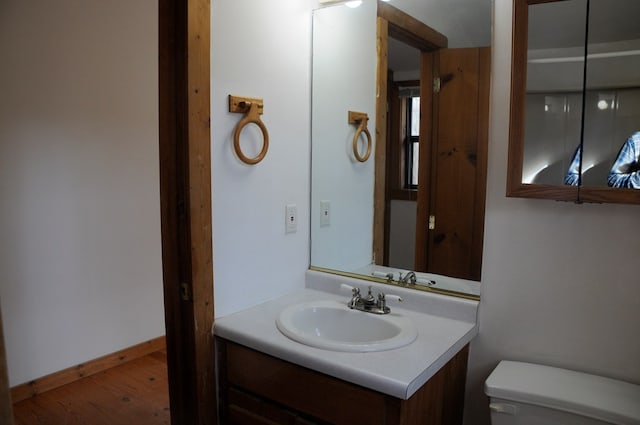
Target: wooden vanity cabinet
258,389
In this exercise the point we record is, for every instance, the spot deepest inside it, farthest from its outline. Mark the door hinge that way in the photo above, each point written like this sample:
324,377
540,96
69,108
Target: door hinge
436,85
185,291
432,222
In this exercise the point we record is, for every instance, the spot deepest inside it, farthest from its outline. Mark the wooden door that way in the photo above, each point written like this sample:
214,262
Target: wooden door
453,144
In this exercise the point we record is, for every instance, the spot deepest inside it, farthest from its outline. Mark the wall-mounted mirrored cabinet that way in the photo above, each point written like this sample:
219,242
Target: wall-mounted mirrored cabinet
575,101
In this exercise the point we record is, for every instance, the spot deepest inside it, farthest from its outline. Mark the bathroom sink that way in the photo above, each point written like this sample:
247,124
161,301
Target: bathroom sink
331,325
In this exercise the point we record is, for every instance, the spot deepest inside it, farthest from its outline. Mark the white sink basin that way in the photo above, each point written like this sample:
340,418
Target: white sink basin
331,325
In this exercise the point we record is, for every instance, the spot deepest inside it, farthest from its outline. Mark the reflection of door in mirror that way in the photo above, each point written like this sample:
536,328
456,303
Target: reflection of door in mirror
445,172
457,165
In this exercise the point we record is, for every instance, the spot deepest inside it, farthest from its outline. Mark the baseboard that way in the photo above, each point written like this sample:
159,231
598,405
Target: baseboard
66,376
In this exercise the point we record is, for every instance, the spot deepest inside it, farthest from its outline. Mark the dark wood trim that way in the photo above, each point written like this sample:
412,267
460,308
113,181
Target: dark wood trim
409,30
609,195
484,87
429,120
6,405
404,195
74,373
185,196
379,198
392,162
515,187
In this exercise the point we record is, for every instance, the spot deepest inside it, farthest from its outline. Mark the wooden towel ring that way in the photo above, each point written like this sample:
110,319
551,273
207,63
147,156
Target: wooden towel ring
253,109
361,119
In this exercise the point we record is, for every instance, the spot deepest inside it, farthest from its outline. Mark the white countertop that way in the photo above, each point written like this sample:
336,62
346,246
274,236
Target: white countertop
445,325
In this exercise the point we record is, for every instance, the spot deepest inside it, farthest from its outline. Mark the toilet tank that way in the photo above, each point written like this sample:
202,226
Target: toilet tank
532,394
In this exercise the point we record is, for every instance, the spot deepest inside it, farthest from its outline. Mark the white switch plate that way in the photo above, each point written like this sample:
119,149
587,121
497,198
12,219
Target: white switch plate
291,217
325,213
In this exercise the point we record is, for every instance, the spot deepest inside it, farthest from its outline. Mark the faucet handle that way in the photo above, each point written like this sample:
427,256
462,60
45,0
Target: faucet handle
345,287
392,297
355,292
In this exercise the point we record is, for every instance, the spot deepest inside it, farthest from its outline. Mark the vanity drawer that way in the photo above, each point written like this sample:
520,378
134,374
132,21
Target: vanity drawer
246,409
301,389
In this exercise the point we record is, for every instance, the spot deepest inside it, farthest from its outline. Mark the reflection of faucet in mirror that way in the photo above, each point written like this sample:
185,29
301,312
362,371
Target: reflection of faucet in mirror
625,171
408,279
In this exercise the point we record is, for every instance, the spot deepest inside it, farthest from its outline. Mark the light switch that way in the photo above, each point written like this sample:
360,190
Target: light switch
291,217
325,213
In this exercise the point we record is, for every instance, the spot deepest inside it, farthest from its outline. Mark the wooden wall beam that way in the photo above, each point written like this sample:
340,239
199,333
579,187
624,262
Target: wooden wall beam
6,406
411,31
185,196
379,201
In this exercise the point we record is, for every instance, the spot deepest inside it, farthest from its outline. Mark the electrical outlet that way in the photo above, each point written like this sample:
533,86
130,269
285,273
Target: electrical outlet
291,217
325,213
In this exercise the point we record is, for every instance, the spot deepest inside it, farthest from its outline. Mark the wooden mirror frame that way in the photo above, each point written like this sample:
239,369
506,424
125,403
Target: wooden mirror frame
515,187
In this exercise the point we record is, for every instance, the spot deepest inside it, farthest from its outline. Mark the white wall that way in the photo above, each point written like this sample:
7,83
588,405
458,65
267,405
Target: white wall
560,281
260,49
80,218
344,79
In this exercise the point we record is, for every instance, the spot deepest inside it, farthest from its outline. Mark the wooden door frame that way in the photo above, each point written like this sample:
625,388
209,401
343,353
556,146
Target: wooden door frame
6,405
393,22
185,197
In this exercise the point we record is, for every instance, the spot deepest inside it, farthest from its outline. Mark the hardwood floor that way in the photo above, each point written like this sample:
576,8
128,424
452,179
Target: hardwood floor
136,392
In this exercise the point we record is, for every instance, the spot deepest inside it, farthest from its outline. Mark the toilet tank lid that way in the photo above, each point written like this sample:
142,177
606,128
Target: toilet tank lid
592,396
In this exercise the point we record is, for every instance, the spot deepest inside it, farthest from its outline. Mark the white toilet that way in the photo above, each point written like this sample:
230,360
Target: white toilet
531,394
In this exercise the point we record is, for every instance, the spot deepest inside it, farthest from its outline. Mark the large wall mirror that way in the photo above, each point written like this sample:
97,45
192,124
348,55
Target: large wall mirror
575,106
417,203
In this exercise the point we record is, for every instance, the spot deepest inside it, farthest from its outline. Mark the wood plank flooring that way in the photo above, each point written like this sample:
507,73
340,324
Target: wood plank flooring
136,392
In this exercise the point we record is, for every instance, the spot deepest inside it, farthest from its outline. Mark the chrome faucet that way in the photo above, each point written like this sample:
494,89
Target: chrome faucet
408,279
369,303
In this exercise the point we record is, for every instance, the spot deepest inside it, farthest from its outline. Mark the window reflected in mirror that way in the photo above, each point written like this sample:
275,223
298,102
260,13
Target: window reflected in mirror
411,140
